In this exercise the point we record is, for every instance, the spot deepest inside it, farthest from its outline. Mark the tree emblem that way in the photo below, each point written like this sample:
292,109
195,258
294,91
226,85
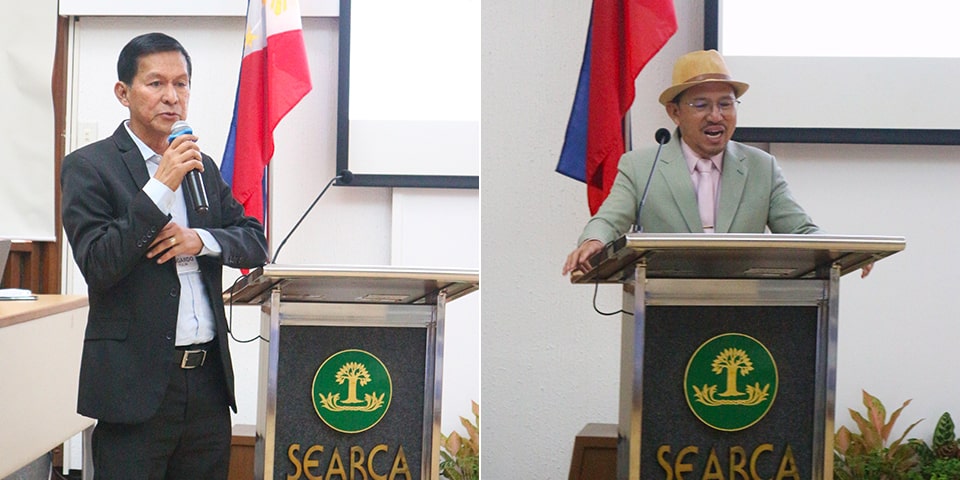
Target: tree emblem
368,391
733,361
353,373
731,356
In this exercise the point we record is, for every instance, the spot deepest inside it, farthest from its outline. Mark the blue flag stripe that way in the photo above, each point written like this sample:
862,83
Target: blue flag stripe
573,156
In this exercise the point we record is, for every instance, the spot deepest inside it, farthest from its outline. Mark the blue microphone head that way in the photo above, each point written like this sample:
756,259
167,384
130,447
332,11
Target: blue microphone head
180,127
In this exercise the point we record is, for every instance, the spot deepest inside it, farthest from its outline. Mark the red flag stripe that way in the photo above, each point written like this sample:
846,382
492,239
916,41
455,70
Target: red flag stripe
273,79
270,85
626,34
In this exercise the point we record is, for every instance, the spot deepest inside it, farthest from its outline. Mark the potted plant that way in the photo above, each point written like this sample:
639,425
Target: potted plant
941,459
867,454
461,456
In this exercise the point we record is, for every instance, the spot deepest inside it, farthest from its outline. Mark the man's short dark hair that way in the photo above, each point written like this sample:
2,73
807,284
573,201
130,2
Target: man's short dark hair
143,45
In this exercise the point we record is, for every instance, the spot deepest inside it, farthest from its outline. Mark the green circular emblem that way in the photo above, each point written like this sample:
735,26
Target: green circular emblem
352,391
731,382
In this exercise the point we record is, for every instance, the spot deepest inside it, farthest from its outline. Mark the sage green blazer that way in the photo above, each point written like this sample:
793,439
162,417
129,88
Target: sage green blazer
754,196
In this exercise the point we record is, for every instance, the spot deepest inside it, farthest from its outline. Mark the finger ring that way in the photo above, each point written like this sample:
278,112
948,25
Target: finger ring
173,240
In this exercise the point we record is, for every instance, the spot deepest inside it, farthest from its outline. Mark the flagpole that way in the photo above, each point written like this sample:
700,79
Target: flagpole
627,131
268,208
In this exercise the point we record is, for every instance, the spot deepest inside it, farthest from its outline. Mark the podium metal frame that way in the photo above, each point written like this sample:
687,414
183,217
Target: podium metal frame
730,270
334,296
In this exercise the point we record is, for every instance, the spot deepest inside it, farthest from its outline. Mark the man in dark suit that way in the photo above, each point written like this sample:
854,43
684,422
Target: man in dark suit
156,370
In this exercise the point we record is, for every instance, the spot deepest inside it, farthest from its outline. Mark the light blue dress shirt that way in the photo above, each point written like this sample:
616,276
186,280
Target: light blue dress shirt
195,319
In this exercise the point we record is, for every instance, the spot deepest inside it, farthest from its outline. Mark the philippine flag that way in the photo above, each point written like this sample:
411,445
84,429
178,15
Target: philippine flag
274,76
622,37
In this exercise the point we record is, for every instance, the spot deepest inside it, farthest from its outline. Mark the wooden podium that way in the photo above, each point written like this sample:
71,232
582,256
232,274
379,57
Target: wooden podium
350,369
728,351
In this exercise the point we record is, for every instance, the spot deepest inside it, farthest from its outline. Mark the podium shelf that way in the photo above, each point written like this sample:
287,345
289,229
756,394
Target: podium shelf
733,256
352,284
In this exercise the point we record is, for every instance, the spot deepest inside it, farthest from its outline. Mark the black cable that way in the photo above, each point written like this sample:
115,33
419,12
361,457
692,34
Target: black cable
345,177
230,314
596,287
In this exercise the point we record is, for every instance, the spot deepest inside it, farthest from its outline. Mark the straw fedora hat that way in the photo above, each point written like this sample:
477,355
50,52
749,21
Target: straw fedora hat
697,68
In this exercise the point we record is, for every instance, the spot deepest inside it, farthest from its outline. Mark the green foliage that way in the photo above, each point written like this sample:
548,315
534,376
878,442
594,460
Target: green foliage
944,440
461,457
868,454
942,469
941,459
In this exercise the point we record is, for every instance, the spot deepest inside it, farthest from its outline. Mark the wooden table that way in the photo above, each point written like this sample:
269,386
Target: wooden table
40,346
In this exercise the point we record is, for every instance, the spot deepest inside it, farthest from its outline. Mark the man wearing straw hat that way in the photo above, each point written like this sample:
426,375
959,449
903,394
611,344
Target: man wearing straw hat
703,183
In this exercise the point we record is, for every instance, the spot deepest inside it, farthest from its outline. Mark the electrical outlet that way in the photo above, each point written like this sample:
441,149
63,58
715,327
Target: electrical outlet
86,133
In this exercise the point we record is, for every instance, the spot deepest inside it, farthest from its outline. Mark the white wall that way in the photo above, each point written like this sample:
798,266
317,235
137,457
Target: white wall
898,330
348,226
550,364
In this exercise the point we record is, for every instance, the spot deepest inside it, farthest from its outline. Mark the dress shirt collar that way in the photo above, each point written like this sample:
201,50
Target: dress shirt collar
691,157
145,151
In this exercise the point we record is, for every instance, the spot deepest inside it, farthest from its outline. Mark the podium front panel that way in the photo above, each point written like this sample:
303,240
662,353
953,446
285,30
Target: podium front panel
351,391
729,378
730,387
395,438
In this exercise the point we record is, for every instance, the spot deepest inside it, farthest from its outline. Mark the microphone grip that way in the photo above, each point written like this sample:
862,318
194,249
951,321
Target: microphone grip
194,189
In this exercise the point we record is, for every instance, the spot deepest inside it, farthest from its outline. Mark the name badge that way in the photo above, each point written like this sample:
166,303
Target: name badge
187,264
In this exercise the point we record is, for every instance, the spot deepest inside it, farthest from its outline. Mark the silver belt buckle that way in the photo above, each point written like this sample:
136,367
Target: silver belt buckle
186,357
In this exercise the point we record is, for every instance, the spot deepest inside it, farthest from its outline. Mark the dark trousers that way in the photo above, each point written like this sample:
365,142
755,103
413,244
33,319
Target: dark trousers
187,439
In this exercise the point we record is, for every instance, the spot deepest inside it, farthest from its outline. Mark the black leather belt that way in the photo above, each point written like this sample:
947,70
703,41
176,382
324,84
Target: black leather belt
193,356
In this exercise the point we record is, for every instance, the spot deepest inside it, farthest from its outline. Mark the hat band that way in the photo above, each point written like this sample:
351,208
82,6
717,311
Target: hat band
709,76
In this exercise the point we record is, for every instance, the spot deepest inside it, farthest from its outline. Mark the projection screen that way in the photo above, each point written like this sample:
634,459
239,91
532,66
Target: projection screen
409,93
853,71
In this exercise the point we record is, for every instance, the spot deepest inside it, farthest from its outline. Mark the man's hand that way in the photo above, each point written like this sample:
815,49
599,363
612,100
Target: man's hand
577,260
174,240
180,157
866,270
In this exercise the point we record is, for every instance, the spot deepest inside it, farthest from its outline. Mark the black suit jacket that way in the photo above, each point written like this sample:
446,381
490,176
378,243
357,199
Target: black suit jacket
131,329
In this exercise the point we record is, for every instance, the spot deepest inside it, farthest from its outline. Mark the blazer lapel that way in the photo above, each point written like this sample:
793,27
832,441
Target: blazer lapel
135,162
732,182
676,174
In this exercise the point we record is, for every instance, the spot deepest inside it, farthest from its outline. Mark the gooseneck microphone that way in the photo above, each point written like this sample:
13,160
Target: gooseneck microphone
344,177
662,137
192,181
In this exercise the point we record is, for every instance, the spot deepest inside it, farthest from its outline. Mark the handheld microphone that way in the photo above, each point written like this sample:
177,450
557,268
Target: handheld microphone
662,137
191,181
342,178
